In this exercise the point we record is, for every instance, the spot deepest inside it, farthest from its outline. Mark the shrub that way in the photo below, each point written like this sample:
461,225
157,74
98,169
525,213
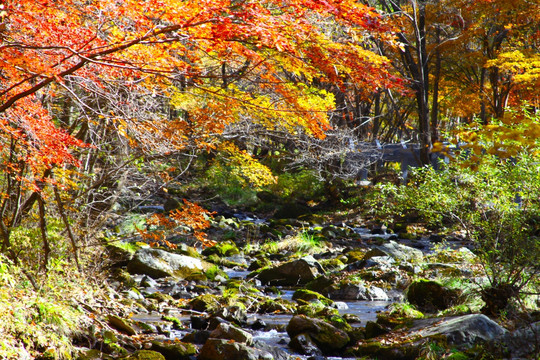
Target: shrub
496,204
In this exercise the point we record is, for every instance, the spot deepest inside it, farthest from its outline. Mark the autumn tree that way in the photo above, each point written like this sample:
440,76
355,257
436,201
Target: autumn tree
155,78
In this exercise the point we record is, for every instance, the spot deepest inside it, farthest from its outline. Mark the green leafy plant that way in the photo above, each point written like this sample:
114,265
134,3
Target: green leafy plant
497,206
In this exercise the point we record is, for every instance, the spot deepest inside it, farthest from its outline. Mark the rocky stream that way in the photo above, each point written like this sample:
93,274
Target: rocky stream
320,290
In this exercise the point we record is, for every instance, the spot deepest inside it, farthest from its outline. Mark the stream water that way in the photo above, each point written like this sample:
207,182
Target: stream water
275,335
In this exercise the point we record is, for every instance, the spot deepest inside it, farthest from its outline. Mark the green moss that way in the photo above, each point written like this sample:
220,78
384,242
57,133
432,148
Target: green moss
177,323
309,296
225,248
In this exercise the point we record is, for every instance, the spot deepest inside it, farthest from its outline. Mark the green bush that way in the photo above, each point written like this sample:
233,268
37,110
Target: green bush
496,204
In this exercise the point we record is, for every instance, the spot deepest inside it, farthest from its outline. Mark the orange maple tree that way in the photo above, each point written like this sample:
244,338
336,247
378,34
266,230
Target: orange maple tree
212,62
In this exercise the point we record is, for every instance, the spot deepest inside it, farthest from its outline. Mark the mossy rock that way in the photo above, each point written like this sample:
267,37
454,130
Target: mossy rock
327,337
316,309
320,284
276,306
431,296
175,351
225,248
259,263
354,256
204,303
123,277
145,355
309,296
121,325
160,297
376,350
339,322
332,264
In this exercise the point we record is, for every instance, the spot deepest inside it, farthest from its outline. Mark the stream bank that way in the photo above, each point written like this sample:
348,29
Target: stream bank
323,291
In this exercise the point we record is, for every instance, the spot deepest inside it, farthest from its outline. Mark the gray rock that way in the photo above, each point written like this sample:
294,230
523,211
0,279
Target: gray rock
349,291
521,343
297,272
158,263
303,344
276,352
327,337
396,251
466,330
221,349
231,332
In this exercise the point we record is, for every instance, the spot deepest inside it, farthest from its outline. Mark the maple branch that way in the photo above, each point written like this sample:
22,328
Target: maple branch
85,60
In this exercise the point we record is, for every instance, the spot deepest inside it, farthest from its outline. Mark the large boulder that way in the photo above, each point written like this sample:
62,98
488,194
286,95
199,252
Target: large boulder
430,296
158,263
221,349
351,291
396,251
327,337
464,331
296,272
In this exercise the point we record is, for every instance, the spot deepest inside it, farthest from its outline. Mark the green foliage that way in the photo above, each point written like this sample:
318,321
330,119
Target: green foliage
302,243
496,204
303,184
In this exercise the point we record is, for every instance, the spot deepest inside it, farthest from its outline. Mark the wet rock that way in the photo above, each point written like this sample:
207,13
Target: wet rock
396,251
197,337
276,352
220,349
175,351
350,291
157,263
120,325
233,314
430,296
231,332
320,284
464,331
374,329
259,263
327,337
303,344
199,322
296,272
258,325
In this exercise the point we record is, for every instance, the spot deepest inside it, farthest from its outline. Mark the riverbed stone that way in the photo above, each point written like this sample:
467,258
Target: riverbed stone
296,272
309,296
231,332
158,263
351,291
221,349
520,343
303,344
462,331
327,337
396,251
174,351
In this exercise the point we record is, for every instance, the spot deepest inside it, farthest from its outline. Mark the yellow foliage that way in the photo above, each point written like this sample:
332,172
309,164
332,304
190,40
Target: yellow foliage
244,166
